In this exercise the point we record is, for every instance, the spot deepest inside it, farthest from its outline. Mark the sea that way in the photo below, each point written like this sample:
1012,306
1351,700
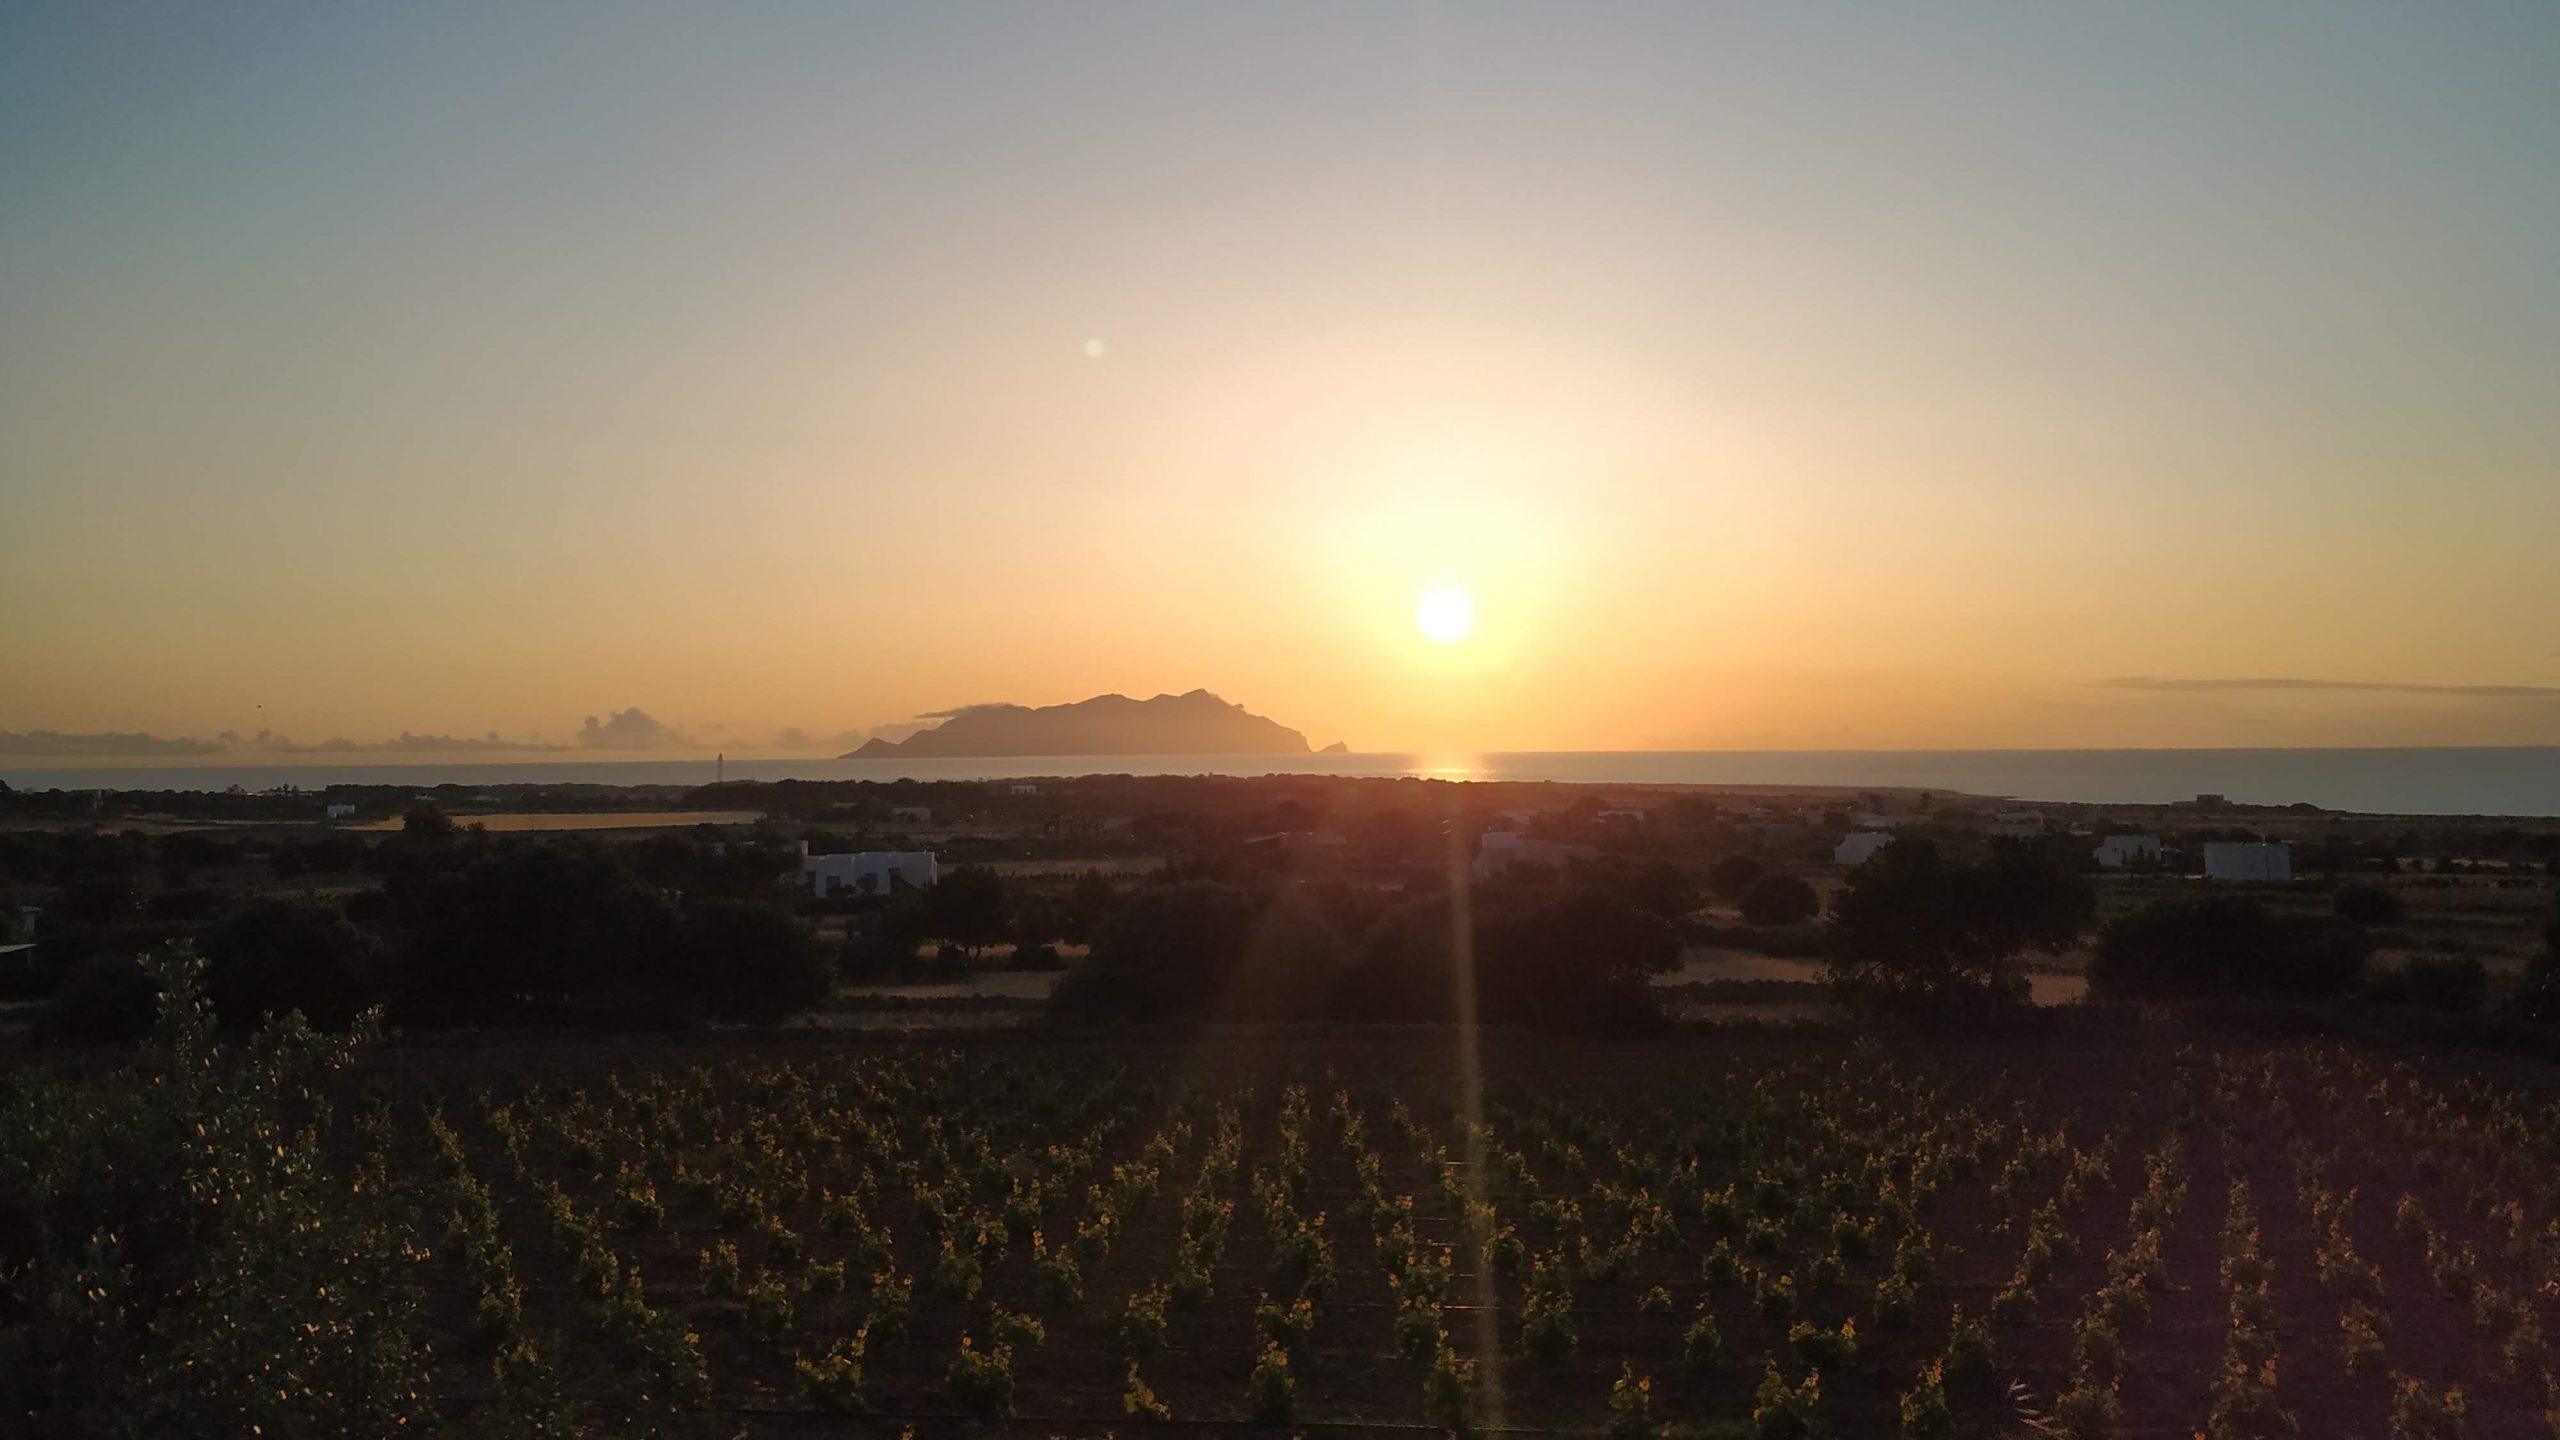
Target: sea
2504,781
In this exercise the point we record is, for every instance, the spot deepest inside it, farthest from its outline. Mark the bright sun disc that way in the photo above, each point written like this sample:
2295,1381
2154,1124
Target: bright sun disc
1445,615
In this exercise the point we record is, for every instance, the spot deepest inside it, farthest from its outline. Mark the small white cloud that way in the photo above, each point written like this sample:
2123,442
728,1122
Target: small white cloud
630,729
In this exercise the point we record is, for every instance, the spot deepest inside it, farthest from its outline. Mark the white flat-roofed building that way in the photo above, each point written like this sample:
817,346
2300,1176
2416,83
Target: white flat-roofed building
2248,860
2119,851
868,872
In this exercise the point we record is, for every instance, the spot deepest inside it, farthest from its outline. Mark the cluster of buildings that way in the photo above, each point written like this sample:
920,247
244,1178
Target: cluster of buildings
2256,861
1516,837
1874,823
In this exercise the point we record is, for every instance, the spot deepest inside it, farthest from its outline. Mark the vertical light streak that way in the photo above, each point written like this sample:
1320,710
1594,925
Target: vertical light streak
1470,1052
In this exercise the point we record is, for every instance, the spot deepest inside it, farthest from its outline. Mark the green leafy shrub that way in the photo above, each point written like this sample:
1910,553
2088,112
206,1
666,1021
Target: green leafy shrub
1630,1405
1970,1359
1012,1330
768,1306
1141,1322
723,1277
1547,1329
1818,1348
1702,1344
1447,1390
833,1380
2086,1411
1923,1408
1271,1392
1058,1277
1781,1411
151,1312
886,1312
1776,1297
1286,1326
980,1382
1138,1399
2420,1412
957,1272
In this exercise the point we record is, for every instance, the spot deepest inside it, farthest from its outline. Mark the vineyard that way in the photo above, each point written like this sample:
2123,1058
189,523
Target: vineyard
1738,1234
1757,1239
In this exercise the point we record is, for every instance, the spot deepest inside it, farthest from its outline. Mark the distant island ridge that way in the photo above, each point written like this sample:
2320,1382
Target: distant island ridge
1194,723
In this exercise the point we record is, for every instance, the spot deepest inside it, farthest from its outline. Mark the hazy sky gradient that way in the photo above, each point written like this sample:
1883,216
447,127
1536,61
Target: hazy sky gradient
1789,376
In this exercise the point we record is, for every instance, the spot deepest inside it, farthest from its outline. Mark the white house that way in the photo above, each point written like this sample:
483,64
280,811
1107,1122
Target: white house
2118,851
868,872
342,812
1858,849
1499,850
2248,860
1026,789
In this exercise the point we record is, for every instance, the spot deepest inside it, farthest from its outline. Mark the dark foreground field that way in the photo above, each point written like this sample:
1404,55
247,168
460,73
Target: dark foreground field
1745,1233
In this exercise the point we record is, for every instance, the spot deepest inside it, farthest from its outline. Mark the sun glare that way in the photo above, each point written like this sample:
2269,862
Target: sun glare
1445,615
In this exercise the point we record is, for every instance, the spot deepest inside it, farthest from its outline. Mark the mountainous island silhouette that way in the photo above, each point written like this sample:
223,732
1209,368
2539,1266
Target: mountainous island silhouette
1197,723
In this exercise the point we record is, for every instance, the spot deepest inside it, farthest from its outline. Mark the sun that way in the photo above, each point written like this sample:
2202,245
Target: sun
1445,615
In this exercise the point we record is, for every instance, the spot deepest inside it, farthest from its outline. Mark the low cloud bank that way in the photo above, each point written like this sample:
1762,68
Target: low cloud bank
105,742
2261,684
619,732
139,745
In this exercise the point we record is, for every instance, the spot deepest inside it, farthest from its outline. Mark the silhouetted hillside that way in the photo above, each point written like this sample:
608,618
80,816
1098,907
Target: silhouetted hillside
1198,723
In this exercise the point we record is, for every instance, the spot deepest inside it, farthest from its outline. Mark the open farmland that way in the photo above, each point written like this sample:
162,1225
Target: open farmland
533,821
2497,919
1773,1236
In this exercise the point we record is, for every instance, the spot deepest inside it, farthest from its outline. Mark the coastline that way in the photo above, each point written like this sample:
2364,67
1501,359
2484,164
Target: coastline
2487,781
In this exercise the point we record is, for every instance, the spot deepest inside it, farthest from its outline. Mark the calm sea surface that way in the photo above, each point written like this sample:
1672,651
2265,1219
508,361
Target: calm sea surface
2484,781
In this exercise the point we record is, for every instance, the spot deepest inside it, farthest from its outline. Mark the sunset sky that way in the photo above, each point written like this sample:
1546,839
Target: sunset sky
1790,376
